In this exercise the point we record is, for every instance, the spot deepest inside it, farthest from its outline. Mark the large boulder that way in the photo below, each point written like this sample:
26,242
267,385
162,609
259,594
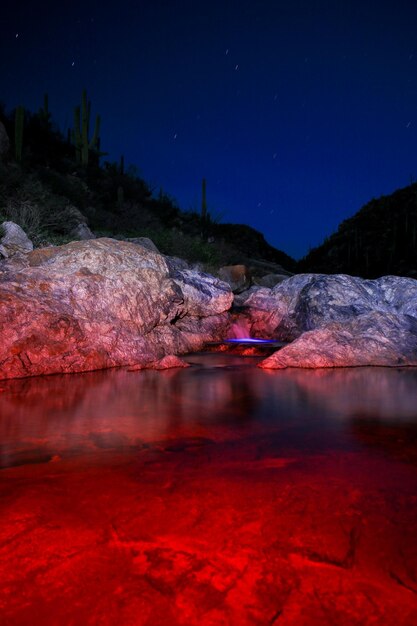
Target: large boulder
103,303
371,339
336,320
13,240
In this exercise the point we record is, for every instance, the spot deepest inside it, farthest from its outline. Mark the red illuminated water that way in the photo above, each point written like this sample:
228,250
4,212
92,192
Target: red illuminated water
217,495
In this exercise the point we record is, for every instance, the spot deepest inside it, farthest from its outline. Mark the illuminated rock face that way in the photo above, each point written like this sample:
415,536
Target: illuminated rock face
337,320
103,303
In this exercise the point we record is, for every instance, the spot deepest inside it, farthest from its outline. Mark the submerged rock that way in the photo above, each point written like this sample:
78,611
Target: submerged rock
170,361
103,303
336,320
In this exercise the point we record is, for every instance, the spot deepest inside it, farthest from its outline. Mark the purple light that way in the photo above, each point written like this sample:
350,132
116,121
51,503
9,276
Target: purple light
249,340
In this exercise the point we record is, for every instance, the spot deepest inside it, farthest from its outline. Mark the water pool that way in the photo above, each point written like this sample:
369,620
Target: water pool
217,494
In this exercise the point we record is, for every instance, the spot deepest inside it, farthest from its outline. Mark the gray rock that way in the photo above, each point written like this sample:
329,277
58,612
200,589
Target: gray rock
103,303
13,240
81,232
336,320
259,267
4,142
143,241
175,264
374,338
237,276
270,280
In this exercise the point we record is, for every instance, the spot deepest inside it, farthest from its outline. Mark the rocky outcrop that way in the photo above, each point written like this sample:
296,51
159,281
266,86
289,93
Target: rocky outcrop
336,320
103,303
13,240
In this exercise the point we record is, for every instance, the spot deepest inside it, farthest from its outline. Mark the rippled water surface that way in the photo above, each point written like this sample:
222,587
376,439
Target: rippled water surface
216,494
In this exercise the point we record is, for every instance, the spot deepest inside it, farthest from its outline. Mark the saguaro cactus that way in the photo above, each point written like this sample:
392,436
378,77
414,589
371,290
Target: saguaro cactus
83,145
44,113
19,120
203,202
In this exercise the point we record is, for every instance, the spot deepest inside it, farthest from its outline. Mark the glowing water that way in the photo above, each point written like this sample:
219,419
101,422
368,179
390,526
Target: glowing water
205,495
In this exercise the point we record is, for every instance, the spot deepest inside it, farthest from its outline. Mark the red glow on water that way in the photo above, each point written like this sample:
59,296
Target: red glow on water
117,520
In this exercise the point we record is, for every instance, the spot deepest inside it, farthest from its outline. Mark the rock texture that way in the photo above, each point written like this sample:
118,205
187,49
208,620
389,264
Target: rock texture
103,303
336,320
13,240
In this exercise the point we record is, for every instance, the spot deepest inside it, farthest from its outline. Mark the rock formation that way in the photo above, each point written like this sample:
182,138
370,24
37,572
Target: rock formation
13,240
336,320
103,303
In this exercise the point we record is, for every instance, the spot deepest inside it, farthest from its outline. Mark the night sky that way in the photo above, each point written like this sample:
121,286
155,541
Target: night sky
297,113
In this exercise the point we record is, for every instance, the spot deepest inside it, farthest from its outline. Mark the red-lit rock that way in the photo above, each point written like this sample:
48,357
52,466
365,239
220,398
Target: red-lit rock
336,320
103,303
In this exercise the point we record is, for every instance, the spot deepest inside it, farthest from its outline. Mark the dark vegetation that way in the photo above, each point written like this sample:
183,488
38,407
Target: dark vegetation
50,183
380,239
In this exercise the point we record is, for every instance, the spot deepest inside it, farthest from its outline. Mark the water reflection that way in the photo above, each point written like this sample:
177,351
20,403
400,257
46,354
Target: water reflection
220,397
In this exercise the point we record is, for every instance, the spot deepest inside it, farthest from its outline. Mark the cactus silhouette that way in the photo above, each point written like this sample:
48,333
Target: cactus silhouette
203,202
19,120
83,145
44,113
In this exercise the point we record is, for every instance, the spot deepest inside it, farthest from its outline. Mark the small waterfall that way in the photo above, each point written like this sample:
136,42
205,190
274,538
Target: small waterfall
240,329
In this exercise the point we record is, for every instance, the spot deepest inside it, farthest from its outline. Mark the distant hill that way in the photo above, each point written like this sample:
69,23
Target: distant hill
250,243
379,239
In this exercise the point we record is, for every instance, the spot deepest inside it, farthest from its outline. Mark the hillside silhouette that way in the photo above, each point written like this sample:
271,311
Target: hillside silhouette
380,239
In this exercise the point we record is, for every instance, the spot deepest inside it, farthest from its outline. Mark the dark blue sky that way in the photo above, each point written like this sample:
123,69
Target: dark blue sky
297,113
